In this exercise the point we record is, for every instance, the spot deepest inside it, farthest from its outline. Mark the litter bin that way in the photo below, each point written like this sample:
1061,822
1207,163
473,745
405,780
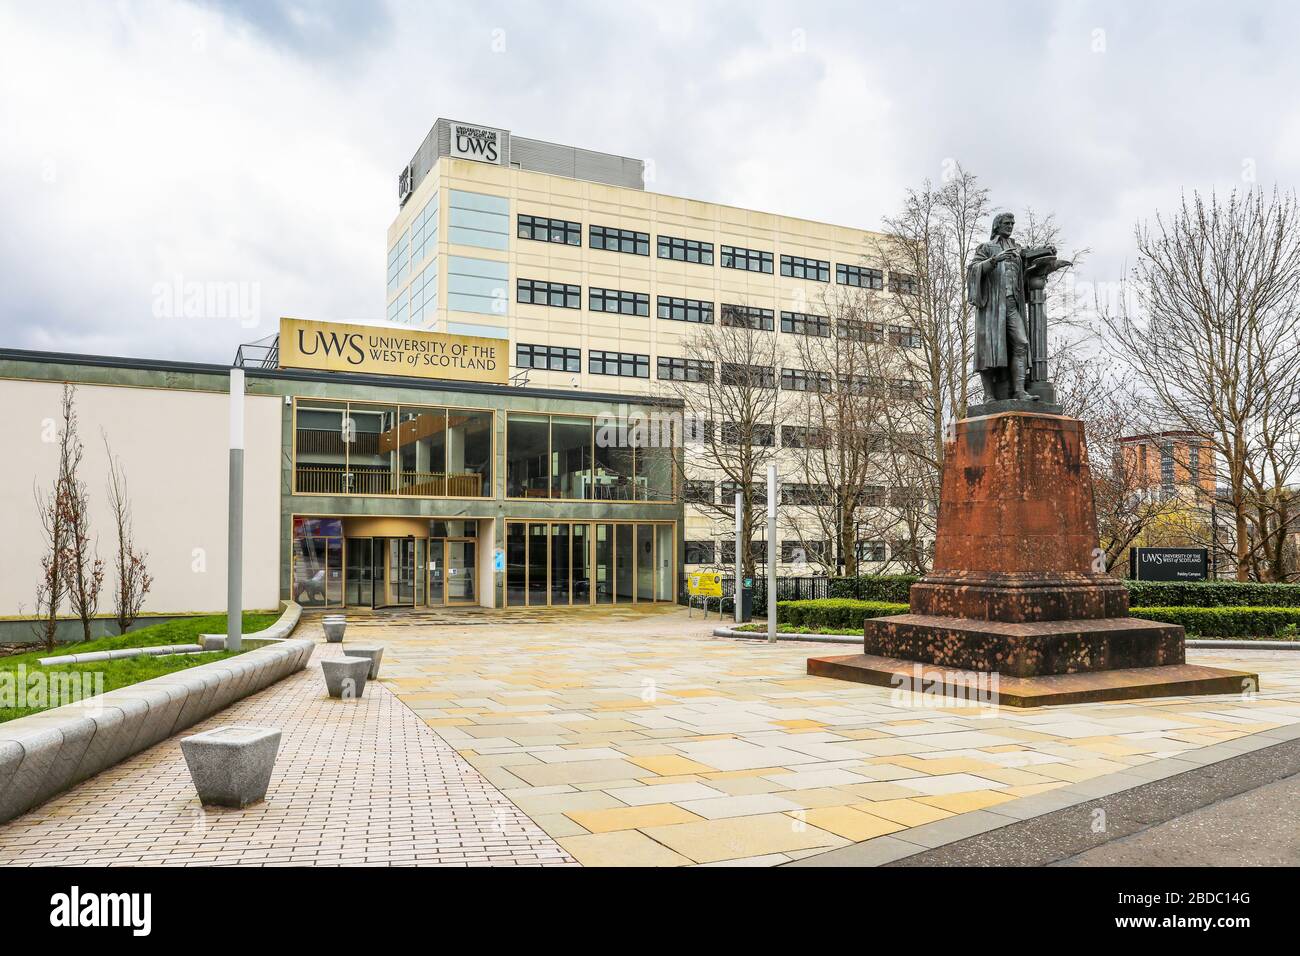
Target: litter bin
747,601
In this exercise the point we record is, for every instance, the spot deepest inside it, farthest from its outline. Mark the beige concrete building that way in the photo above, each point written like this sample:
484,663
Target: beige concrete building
594,280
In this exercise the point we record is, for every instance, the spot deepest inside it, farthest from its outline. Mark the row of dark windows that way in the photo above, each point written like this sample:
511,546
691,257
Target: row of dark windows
631,242
701,492
563,295
557,358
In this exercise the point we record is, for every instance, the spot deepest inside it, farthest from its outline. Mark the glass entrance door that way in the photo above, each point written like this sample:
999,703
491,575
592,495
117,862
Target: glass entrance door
393,572
459,559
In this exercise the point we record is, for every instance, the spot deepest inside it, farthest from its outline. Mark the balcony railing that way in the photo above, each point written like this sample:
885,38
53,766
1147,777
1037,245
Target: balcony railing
337,480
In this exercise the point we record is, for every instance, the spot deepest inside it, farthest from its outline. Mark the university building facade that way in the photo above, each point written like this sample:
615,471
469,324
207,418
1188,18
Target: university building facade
596,282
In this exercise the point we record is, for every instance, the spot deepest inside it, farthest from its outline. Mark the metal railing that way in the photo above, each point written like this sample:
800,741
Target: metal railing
337,480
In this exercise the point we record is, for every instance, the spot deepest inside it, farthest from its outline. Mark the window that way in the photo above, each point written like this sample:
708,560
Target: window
541,229
399,261
875,496
905,336
757,550
553,357
424,233
748,376
1194,464
805,494
619,240
699,492
858,331
905,389
625,364
747,260
871,551
757,490
580,458
364,448
797,267
803,552
686,250
685,310
1167,468
701,552
559,295
623,303
477,285
868,385
734,433
477,219
804,436
742,316
903,283
685,370
802,323
798,380
859,276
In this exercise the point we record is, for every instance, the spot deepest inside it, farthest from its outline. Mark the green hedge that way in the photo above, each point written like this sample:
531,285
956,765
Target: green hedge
1227,621
847,616
873,587
1212,594
895,587
834,612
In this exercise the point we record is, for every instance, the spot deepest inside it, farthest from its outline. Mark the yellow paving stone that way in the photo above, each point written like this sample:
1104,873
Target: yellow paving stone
965,802
631,818
1084,770
447,721
800,724
756,772
694,692
847,822
821,797
676,778
879,791
671,764
1002,749
734,838
1014,775
621,848
908,812
746,786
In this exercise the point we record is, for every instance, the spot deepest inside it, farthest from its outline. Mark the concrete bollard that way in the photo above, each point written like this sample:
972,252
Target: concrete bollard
373,654
345,677
231,766
334,627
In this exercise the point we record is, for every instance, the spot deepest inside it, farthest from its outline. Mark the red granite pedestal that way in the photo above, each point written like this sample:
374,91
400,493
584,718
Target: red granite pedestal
1018,588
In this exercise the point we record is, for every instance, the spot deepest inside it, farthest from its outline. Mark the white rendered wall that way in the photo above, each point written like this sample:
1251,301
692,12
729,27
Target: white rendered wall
173,446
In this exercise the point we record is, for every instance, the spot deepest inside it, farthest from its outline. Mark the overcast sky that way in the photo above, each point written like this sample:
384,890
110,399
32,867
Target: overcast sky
258,143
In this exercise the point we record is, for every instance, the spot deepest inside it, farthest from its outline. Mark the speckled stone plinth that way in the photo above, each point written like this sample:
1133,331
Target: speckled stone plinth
1015,588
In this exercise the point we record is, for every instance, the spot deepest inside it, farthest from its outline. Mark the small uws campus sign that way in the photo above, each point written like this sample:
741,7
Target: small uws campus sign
379,350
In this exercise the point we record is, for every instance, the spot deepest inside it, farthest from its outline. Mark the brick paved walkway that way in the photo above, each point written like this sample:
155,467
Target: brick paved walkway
362,782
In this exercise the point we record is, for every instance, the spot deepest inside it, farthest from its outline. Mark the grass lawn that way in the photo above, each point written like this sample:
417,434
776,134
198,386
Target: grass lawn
131,670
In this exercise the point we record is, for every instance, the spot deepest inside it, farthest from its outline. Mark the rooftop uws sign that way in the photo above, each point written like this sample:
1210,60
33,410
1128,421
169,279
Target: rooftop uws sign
482,143
376,350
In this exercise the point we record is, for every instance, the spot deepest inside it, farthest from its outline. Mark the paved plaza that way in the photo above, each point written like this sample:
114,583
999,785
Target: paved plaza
625,736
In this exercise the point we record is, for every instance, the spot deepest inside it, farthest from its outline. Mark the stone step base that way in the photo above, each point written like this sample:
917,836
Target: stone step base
1129,683
1025,649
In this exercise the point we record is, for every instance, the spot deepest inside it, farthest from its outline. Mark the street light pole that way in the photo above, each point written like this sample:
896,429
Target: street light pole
737,588
771,553
235,527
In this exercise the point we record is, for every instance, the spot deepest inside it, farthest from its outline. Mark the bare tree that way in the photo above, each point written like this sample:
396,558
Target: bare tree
82,569
132,581
1128,507
728,385
51,587
831,422
1215,341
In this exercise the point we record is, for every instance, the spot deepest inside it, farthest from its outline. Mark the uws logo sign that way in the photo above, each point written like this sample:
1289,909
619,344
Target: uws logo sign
479,143
378,350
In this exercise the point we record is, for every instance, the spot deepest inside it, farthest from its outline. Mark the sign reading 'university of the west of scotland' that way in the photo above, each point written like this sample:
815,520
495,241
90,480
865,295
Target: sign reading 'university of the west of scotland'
377,350
1168,564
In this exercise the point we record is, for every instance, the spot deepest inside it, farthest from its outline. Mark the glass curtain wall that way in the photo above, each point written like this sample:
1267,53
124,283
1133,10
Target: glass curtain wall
317,572
581,458
577,563
362,448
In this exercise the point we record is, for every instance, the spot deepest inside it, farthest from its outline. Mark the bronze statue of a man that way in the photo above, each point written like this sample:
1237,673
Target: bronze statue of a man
996,286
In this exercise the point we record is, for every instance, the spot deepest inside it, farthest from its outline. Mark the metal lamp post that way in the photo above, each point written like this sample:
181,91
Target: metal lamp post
737,585
235,549
771,553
